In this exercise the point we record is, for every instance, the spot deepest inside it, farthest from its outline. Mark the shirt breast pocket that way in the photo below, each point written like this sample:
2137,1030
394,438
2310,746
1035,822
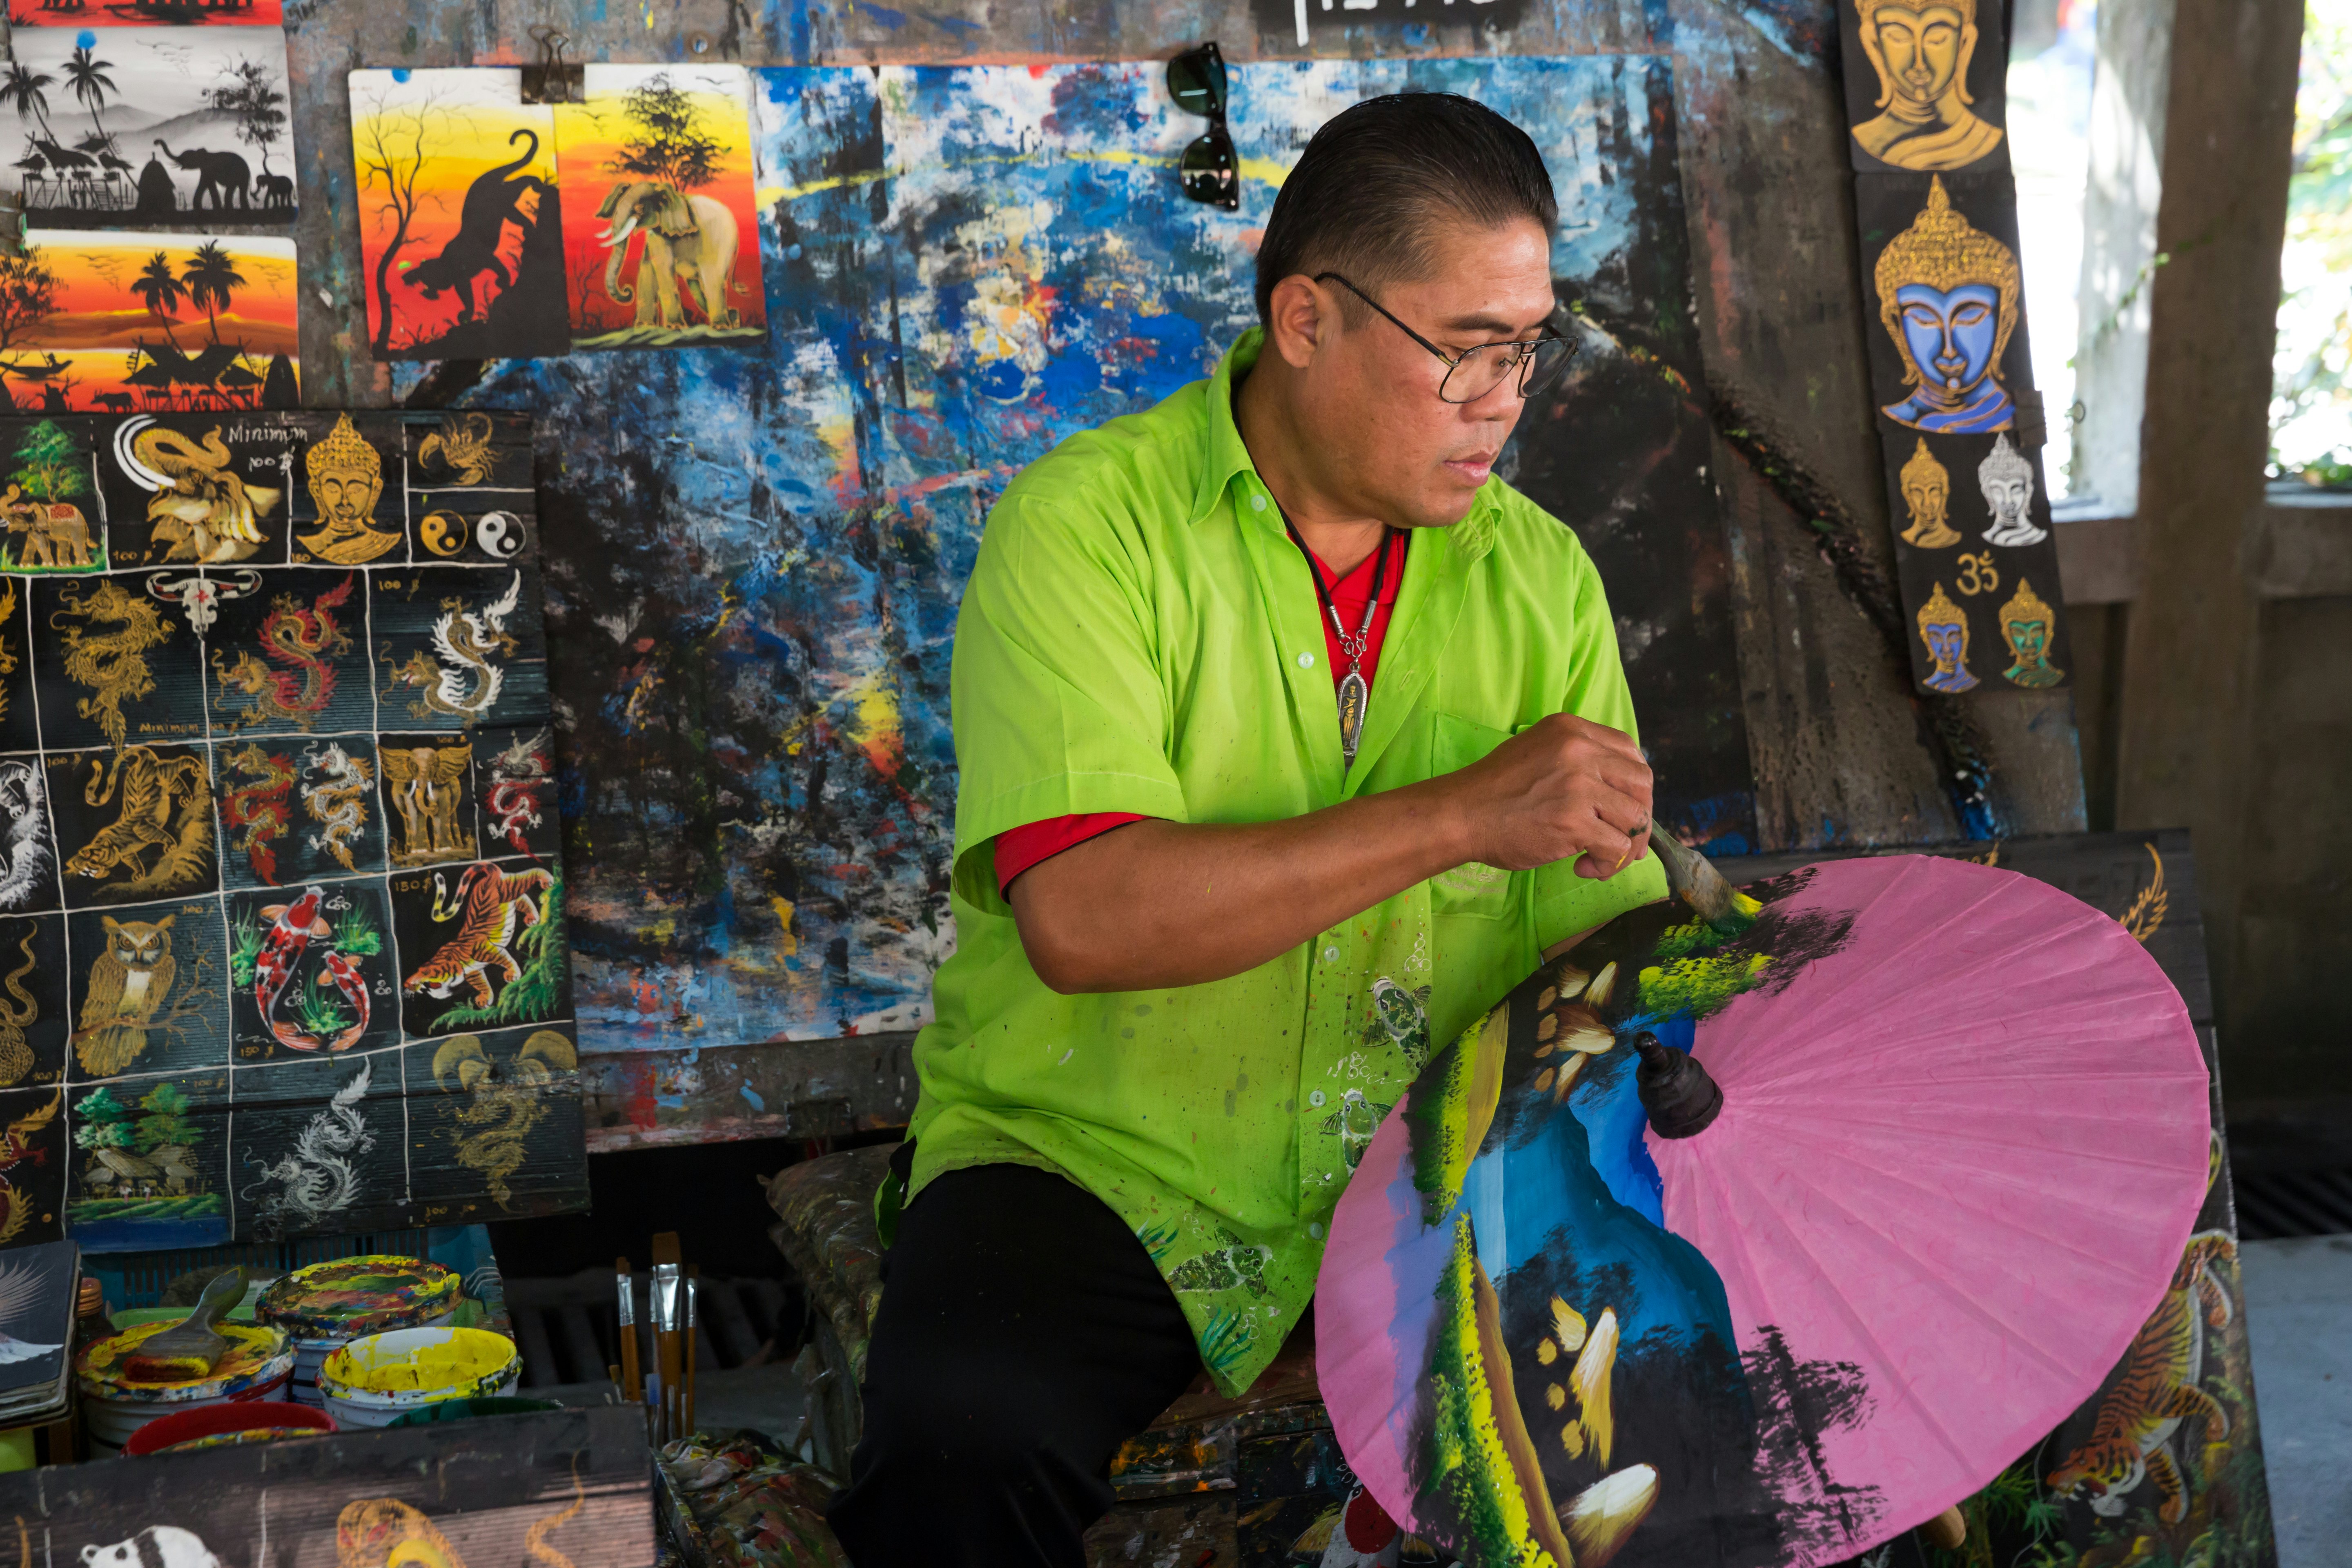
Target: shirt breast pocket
1473,888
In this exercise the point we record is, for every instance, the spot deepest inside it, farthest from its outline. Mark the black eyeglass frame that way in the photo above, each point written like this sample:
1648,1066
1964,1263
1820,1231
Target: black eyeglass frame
1527,347
1209,171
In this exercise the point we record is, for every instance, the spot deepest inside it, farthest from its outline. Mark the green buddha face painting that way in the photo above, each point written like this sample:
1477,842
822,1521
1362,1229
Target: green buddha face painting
2025,625
1921,50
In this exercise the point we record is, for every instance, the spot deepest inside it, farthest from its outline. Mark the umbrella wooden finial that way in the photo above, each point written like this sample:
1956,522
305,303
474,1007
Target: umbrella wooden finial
1680,1098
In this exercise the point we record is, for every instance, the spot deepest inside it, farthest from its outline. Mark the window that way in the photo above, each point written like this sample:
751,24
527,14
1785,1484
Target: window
2311,402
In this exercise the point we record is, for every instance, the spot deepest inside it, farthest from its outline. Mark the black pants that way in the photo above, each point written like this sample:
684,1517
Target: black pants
1023,1334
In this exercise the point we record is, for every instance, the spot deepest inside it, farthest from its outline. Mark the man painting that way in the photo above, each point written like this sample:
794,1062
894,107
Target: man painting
1290,738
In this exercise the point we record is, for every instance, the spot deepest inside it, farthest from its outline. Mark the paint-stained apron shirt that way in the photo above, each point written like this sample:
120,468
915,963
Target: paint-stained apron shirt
1140,634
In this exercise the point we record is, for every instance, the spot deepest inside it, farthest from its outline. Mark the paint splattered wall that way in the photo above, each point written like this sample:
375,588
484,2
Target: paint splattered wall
1840,752
965,266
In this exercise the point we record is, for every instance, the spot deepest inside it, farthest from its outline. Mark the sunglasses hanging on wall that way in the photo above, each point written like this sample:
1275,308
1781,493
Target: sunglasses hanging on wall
1196,80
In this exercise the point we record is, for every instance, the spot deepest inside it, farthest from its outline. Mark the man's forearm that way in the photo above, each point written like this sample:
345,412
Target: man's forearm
1157,904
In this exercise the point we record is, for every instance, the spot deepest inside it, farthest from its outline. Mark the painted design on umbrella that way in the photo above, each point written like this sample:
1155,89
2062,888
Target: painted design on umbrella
1946,1143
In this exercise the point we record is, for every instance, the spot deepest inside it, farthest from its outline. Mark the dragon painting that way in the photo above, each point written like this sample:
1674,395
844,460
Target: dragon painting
315,1179
24,802
112,664
464,684
16,1053
337,801
257,810
7,649
303,641
17,1206
519,782
507,1105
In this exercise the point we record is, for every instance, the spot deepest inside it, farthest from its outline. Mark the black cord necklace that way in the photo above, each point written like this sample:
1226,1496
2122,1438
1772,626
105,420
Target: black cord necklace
1354,694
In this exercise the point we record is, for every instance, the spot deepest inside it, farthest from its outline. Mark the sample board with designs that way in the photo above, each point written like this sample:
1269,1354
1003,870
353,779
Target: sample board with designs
1960,434
281,935
762,549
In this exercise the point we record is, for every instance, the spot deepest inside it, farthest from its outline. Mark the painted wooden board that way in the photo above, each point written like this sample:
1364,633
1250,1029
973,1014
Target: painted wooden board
127,126
572,1487
281,943
110,320
459,215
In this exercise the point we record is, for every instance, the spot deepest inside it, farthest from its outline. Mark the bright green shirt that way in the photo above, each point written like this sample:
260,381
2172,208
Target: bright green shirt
1140,634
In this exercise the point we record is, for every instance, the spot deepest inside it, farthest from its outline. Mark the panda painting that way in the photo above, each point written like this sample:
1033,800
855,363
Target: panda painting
157,1546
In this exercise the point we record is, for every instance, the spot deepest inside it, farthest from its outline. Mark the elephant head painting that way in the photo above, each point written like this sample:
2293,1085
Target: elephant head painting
686,257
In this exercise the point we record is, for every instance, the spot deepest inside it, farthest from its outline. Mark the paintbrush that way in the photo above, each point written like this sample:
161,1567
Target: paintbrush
193,1347
685,1398
628,1375
666,1273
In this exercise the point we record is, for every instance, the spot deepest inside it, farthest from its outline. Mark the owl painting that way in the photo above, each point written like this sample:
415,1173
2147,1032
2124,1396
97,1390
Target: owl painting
127,984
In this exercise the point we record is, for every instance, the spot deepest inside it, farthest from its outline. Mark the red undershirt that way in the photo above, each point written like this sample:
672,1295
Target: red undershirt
1018,848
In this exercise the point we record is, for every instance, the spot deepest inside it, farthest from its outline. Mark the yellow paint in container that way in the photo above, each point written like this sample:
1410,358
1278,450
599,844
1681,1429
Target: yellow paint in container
371,1381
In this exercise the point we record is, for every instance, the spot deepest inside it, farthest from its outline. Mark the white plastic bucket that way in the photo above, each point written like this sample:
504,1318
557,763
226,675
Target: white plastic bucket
373,1381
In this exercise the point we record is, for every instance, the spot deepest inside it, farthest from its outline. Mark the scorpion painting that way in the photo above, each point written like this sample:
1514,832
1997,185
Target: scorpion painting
230,904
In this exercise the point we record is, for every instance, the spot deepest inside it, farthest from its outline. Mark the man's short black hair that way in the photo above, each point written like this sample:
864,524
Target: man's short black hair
1364,196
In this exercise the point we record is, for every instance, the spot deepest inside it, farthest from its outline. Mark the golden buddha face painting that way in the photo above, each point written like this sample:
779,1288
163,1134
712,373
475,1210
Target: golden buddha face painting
1921,50
346,479
1949,295
1927,493
1944,627
2025,625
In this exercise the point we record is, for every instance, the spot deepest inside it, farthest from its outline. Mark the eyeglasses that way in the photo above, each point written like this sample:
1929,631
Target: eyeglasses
1196,80
1536,361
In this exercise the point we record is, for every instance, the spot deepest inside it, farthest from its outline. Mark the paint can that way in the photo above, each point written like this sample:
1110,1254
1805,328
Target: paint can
325,1306
258,1366
373,1381
220,1426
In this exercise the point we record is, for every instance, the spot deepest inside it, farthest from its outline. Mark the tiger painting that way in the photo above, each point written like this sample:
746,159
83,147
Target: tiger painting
496,907
2132,1436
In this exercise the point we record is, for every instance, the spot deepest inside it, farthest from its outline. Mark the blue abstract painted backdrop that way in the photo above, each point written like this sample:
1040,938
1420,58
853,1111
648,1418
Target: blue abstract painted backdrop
754,557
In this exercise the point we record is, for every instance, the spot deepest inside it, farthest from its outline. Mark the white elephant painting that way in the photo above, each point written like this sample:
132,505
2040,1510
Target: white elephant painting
660,218
685,248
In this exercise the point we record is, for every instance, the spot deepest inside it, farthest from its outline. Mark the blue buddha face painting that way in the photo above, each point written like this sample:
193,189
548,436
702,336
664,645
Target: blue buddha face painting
1944,627
1951,335
1950,297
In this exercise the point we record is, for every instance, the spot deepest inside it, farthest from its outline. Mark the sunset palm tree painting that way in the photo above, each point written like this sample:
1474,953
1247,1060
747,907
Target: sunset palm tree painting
30,15
122,333
181,124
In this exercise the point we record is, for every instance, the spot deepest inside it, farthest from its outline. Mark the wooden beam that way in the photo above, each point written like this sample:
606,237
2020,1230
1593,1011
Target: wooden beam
2183,732
776,1089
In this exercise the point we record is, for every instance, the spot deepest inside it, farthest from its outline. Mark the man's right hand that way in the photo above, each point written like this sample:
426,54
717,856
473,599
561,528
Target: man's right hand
1562,787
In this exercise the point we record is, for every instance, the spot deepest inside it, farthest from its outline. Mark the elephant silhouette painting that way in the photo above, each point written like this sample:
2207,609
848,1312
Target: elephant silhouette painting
146,125
461,227
667,254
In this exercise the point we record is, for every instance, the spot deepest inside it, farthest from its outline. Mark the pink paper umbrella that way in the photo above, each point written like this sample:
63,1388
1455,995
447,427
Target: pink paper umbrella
1938,1140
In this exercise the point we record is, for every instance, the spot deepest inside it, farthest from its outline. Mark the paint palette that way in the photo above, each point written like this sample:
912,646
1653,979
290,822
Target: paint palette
280,866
